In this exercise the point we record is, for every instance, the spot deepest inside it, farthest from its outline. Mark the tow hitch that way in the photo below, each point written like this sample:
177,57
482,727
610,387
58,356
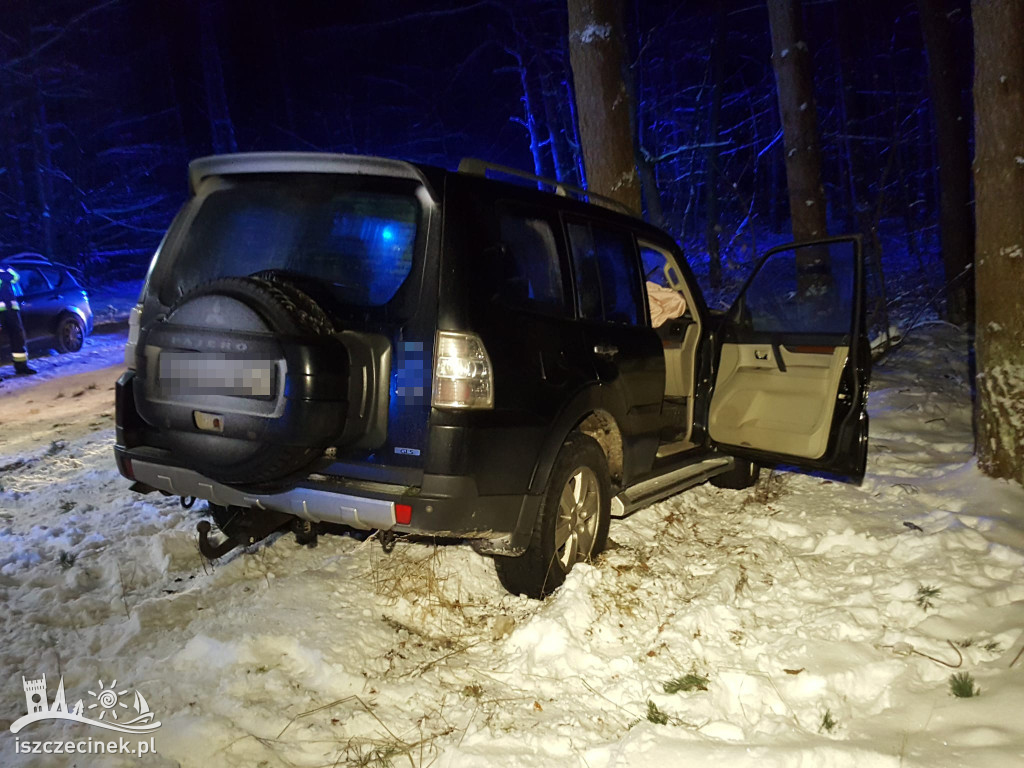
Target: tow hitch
245,527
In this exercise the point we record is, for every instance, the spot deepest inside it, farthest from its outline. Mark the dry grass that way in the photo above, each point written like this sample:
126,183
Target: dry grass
425,594
770,487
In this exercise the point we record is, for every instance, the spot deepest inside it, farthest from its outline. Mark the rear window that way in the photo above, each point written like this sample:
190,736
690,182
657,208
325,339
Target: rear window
359,242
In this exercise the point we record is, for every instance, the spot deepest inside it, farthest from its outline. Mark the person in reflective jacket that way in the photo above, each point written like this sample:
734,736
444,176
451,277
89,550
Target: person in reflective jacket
10,319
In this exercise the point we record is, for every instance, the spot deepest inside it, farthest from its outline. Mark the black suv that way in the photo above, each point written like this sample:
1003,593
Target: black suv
383,345
55,307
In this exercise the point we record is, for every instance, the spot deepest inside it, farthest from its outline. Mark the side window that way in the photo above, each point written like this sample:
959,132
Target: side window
606,276
526,271
31,281
52,274
804,289
654,265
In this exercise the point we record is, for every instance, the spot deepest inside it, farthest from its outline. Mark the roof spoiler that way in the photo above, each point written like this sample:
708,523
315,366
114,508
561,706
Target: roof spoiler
303,162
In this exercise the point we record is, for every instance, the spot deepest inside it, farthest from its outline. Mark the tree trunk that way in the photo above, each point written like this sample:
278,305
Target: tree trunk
43,155
712,226
222,130
551,118
956,224
528,121
999,203
577,143
845,59
792,62
597,53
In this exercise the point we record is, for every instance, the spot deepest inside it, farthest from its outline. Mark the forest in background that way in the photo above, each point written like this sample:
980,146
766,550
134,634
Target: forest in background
105,103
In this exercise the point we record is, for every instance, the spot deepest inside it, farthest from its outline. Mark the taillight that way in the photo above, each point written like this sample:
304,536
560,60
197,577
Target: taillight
124,465
463,377
134,324
403,514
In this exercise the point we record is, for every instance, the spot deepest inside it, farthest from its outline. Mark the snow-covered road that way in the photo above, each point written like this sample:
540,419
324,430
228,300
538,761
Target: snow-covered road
814,623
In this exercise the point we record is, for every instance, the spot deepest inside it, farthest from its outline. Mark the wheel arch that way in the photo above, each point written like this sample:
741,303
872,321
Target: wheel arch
74,312
591,413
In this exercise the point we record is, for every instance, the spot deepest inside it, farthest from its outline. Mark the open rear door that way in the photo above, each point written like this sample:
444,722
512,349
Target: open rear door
793,362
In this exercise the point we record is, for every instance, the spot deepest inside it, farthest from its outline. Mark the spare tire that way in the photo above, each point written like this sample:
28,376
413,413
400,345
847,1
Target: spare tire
245,380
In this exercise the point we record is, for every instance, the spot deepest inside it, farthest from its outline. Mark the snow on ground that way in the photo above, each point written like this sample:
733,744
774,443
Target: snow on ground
824,620
104,347
112,300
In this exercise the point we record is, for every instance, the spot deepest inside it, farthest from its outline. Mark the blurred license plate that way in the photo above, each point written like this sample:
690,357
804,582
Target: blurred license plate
212,374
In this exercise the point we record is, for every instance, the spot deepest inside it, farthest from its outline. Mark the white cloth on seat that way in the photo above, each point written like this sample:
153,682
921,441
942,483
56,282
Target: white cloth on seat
666,304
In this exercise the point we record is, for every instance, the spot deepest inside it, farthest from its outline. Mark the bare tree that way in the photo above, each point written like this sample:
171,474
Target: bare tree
956,223
713,226
597,53
222,130
999,201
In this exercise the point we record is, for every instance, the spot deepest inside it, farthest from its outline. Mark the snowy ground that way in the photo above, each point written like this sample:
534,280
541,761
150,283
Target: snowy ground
825,619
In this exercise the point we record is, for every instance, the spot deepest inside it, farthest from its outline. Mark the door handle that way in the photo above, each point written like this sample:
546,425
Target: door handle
606,350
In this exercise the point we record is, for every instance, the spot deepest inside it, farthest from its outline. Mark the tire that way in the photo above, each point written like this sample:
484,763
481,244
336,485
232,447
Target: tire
283,307
70,334
267,307
744,474
579,483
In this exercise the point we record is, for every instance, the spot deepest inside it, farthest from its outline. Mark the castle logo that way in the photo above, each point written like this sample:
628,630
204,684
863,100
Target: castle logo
108,708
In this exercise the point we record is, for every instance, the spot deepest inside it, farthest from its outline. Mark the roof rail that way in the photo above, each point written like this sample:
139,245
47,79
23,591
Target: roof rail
28,256
478,167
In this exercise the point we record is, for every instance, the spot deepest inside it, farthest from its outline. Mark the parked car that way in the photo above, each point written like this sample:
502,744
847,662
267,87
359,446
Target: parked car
54,307
390,346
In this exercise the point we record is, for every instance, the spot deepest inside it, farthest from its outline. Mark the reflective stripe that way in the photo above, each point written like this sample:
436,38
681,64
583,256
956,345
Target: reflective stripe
3,306
15,305
20,357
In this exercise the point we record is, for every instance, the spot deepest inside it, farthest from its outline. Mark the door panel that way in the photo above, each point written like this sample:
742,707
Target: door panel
791,381
759,405
680,377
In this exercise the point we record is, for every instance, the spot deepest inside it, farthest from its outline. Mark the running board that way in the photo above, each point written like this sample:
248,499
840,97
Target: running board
644,494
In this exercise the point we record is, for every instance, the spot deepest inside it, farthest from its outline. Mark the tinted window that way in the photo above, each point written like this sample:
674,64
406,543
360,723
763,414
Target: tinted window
526,270
606,276
358,242
806,289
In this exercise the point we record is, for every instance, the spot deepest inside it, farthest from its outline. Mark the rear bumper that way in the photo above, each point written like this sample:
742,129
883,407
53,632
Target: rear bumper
446,506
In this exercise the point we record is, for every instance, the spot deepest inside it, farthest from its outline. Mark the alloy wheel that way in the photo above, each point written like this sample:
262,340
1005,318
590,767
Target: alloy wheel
576,525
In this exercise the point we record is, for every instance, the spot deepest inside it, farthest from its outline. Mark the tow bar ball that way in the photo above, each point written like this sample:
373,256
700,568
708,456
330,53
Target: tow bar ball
243,527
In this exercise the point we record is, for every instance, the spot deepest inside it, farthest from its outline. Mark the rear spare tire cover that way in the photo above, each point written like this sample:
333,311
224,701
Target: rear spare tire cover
244,379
